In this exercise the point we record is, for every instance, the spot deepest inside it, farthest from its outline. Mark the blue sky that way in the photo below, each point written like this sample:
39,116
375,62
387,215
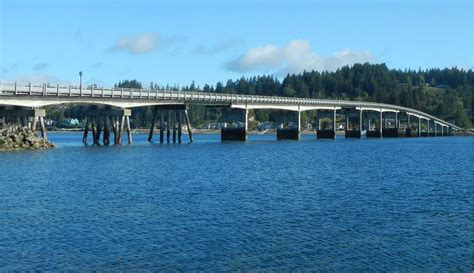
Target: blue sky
176,42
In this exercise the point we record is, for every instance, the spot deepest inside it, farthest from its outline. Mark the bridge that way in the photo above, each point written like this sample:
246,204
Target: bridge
24,103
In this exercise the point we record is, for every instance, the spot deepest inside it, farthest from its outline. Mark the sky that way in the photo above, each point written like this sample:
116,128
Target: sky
177,42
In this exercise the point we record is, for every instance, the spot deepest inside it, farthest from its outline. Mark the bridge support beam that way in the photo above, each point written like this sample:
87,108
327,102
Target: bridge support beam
239,125
290,126
327,127
354,124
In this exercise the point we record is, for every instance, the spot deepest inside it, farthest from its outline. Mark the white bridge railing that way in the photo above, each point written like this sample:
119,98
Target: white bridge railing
48,90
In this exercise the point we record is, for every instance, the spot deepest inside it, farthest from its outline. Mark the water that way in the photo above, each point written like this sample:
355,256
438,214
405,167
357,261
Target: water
343,205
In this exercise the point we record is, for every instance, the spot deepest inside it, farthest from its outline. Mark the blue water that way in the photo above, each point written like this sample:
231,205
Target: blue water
343,205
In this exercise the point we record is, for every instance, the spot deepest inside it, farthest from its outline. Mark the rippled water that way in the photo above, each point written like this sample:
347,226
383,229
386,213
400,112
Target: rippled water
343,205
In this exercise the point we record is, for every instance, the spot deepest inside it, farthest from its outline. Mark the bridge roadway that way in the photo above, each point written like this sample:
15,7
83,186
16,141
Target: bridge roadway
37,96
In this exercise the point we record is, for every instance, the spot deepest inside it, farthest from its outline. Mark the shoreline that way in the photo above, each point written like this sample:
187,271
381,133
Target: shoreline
199,131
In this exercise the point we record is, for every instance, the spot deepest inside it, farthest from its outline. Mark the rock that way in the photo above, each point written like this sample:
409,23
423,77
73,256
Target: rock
31,139
17,137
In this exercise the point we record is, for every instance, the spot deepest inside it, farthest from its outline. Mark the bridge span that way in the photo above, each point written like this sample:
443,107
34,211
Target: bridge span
25,102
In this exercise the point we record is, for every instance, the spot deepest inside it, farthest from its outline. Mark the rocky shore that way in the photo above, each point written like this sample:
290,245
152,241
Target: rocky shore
21,138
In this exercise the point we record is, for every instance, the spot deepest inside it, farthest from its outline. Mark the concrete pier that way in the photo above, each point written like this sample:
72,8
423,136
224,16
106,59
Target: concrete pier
424,127
354,123
289,125
326,129
374,124
390,124
438,129
235,125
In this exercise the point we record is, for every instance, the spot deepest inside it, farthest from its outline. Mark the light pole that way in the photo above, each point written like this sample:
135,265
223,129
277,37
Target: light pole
80,83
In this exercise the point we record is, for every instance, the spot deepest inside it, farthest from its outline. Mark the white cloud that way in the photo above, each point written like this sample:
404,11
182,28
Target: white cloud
295,57
143,43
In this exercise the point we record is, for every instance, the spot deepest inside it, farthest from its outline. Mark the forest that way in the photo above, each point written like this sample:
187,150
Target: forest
446,93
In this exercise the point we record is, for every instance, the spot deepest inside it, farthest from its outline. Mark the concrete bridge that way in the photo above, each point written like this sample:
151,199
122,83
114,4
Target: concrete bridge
24,103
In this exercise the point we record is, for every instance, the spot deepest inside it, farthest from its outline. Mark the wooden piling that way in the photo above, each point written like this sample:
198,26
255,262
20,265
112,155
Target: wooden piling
94,130
33,126
122,122
106,139
114,129
173,123
129,130
43,129
188,125
179,126
168,127
162,129
153,122
99,130
86,130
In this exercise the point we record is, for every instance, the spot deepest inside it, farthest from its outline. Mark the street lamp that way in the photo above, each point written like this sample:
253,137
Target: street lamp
80,83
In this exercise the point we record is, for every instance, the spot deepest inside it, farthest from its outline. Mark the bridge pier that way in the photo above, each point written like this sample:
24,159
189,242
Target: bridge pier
424,128
98,120
374,131
413,129
438,129
170,122
25,117
390,124
445,131
239,119
354,124
408,129
431,129
289,125
451,131
326,129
